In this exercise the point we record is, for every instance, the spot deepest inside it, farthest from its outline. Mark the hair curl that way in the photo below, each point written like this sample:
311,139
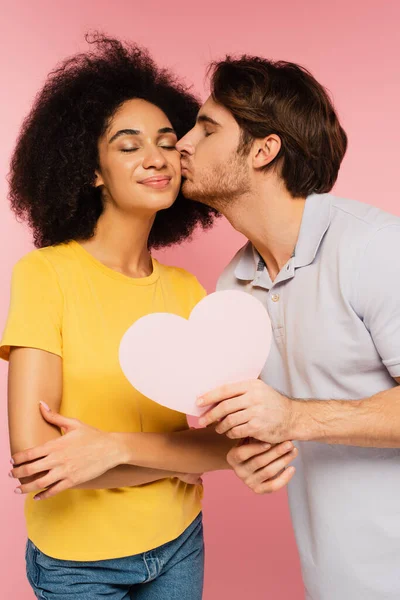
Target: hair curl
53,165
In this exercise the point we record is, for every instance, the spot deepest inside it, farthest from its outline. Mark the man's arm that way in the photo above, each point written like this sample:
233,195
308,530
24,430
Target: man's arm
253,409
373,421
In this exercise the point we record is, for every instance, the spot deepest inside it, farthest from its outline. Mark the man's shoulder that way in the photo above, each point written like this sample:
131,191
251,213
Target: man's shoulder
358,231
360,218
228,279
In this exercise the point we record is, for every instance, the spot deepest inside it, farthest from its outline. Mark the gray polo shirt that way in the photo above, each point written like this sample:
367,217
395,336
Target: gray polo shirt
335,313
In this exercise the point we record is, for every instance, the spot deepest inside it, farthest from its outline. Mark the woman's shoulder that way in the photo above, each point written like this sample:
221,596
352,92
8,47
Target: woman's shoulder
44,263
178,273
182,279
48,254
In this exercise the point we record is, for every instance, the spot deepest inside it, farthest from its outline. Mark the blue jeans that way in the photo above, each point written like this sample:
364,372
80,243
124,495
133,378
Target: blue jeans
173,571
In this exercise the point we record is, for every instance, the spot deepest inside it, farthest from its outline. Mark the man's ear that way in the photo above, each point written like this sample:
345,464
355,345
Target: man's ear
265,150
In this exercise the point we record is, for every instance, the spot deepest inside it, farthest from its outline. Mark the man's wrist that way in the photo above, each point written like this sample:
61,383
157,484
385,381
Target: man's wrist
330,421
305,425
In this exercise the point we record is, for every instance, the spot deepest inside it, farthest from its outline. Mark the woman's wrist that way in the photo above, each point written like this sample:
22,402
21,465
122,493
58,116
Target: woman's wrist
122,448
144,449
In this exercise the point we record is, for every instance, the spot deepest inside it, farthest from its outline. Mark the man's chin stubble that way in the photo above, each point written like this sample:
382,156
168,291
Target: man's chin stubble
191,193
215,200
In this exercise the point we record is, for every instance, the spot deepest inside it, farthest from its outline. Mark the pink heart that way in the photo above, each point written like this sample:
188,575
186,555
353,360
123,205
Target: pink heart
173,361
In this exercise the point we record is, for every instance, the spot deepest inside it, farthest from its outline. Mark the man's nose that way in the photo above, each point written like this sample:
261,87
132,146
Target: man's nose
184,145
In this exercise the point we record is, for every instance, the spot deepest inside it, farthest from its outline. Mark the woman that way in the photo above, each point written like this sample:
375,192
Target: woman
97,176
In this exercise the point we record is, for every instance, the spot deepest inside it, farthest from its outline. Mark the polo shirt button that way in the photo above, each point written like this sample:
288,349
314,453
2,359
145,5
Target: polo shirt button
275,297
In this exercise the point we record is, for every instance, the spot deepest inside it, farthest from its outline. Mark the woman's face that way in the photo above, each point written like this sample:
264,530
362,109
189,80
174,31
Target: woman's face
140,168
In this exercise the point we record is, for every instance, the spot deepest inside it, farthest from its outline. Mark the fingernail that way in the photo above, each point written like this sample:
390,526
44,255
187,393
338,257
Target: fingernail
17,491
10,474
45,406
12,461
200,401
37,498
288,446
266,446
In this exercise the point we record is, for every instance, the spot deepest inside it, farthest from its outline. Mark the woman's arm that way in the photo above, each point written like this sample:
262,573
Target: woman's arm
33,376
85,453
194,450
130,476
36,376
79,455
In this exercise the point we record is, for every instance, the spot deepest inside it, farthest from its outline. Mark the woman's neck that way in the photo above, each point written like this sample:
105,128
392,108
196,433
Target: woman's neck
121,242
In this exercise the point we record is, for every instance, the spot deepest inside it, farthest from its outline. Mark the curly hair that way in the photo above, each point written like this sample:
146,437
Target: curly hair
53,165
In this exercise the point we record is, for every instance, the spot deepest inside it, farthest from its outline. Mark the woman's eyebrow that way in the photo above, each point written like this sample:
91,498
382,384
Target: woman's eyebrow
167,130
138,132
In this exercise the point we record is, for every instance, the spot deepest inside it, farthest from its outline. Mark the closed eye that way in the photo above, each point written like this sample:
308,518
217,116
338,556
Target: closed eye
135,149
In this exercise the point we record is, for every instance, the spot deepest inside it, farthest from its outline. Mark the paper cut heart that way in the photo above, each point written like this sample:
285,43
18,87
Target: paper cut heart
172,360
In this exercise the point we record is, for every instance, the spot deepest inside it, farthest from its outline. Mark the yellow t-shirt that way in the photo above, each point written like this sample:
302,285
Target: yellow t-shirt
66,302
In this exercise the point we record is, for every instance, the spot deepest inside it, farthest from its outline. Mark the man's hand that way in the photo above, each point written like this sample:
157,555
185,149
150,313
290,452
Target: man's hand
82,454
261,467
249,409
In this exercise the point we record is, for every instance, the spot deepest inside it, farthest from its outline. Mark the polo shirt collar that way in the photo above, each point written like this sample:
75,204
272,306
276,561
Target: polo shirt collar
247,266
314,224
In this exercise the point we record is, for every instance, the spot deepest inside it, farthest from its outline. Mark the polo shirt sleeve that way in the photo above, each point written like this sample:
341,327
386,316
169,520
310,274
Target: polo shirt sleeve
377,294
36,304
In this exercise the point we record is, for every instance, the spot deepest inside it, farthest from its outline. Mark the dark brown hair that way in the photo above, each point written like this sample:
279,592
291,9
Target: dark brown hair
283,98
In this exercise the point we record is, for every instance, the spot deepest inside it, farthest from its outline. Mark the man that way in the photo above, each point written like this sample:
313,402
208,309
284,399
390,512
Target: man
265,151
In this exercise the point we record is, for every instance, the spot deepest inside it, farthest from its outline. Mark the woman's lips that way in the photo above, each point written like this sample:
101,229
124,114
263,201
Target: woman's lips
157,183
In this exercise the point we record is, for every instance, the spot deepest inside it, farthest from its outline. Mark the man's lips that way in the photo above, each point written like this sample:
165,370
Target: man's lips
184,167
157,182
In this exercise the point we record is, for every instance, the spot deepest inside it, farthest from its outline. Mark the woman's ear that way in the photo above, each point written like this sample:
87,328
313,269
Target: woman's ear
265,150
98,181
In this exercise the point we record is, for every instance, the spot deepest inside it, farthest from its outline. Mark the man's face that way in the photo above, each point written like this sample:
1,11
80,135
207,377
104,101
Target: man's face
214,172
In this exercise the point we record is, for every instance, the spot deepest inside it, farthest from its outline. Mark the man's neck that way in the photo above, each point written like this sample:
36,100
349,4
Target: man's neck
270,218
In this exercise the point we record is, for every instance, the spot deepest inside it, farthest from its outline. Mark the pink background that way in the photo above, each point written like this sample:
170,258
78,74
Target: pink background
353,48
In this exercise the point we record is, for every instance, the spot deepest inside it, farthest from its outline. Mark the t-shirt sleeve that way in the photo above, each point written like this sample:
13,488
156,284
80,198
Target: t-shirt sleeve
36,304
198,291
378,294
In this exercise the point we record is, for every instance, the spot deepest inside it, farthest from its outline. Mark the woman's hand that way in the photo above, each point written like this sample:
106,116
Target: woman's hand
262,467
82,454
190,478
